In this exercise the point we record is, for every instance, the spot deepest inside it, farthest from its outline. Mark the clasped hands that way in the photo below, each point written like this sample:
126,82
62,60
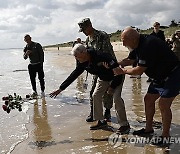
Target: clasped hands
28,52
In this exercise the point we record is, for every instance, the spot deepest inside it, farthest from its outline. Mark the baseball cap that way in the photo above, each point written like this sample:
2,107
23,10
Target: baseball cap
84,23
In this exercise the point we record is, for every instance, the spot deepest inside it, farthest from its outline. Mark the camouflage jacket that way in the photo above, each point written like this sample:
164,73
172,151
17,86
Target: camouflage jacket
100,42
176,43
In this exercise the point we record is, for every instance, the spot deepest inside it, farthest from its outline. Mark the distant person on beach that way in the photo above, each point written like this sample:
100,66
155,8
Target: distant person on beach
35,53
78,40
92,61
159,34
100,41
176,43
158,62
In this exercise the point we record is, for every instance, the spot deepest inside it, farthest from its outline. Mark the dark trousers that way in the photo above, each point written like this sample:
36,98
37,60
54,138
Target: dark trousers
33,70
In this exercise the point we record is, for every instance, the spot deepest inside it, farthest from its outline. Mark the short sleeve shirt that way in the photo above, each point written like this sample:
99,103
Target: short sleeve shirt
155,55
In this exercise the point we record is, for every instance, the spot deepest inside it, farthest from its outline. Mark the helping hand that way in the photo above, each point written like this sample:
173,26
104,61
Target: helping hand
118,71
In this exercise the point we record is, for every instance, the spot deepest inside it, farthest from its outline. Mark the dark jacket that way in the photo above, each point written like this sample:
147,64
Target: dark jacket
159,34
37,55
95,67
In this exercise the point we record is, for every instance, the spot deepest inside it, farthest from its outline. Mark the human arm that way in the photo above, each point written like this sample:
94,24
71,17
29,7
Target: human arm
163,36
138,70
73,76
41,52
55,93
126,62
26,54
103,43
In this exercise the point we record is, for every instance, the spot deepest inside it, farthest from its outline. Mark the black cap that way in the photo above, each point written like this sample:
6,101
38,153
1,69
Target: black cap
84,23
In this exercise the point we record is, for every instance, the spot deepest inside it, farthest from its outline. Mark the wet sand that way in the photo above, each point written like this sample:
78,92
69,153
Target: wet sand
59,127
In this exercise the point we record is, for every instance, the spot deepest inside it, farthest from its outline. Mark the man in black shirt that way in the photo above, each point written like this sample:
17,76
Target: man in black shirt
92,61
158,62
35,53
157,32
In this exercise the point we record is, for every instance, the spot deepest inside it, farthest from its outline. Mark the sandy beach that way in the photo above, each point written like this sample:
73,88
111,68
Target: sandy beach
58,126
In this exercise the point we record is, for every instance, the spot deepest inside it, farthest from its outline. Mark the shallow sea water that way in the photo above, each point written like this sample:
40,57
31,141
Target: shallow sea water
73,104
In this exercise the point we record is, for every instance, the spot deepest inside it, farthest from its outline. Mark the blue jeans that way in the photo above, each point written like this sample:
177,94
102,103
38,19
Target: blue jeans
169,88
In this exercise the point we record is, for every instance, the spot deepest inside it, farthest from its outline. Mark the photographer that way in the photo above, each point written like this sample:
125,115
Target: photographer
176,43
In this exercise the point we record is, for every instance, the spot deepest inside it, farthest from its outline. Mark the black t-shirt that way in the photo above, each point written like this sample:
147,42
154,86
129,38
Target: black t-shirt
154,54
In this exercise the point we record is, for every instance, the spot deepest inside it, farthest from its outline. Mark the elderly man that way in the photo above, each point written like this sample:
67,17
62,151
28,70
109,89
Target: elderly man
100,41
158,62
91,61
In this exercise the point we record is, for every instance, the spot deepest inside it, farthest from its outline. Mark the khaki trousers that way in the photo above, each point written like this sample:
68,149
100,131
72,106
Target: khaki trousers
100,90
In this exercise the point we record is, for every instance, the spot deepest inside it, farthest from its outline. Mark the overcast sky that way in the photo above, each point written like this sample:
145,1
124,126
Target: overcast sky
55,21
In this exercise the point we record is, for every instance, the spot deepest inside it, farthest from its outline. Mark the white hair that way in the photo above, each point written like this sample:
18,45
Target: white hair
78,48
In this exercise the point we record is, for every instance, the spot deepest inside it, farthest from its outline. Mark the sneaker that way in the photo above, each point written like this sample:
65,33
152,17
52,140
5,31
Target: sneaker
34,95
123,130
133,76
149,80
142,132
107,115
138,76
89,118
100,124
42,94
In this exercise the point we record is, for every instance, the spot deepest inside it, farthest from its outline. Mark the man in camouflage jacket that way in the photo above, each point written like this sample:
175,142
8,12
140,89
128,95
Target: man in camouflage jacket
100,41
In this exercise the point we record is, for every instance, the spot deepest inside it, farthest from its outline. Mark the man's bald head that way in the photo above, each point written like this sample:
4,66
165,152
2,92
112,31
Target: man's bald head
130,37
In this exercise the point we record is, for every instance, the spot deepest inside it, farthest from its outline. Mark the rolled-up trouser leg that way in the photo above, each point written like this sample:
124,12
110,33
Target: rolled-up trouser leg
100,89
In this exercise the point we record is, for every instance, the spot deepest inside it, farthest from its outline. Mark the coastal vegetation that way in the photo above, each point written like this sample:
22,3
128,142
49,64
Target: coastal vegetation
114,37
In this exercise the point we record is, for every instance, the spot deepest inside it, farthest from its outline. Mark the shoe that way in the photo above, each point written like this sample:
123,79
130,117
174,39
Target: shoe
138,76
107,115
42,94
142,132
99,125
149,80
89,118
123,130
34,95
133,76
